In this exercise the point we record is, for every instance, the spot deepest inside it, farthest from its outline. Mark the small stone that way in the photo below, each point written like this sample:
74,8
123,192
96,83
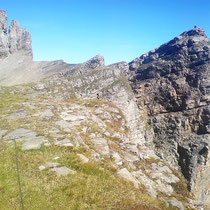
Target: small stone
47,143
51,164
174,202
41,167
127,175
63,170
63,143
47,114
83,158
55,158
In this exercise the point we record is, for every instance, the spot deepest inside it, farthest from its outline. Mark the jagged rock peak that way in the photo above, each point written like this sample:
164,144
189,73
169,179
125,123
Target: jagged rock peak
196,31
19,39
3,21
188,43
97,61
16,39
172,84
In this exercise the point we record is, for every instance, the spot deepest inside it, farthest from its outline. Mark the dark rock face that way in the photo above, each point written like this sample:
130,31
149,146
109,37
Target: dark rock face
16,39
172,83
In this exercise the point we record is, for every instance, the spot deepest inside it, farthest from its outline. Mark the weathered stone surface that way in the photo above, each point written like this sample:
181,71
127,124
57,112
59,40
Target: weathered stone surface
56,167
19,39
124,173
3,21
97,61
175,203
101,146
51,164
16,39
63,170
64,142
83,158
172,84
4,47
32,144
18,115
20,134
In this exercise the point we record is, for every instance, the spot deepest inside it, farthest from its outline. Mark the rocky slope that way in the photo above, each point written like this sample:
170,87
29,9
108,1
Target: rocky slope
144,122
172,84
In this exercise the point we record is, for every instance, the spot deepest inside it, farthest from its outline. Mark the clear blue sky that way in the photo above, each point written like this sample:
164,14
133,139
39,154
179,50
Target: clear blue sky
120,30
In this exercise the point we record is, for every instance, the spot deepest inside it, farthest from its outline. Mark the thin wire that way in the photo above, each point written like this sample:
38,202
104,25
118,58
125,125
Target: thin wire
18,173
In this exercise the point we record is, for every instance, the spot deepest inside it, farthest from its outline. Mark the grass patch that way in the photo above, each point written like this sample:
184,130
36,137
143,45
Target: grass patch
90,188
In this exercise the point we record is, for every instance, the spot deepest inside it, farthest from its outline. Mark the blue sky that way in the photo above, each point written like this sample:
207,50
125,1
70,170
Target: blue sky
120,30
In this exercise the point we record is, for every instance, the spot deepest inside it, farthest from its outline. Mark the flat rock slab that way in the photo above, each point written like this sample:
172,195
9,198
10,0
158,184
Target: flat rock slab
174,202
83,158
63,170
16,116
51,164
66,126
47,114
32,144
72,117
124,173
101,146
64,143
20,134
56,167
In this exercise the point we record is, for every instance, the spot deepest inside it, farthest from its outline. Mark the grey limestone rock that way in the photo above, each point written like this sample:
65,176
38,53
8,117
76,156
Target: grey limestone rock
175,203
32,144
171,83
3,21
97,61
15,39
19,39
101,146
124,173
57,168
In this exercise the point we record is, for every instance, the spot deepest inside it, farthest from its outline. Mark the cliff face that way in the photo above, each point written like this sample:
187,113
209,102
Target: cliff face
15,39
172,83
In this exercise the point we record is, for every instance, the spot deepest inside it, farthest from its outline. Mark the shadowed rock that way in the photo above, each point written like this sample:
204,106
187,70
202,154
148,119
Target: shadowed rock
172,84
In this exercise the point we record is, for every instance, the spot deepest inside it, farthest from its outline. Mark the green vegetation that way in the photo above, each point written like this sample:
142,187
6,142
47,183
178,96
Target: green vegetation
94,186
90,188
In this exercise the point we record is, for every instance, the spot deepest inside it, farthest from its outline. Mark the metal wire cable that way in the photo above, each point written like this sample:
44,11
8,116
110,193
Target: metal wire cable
18,173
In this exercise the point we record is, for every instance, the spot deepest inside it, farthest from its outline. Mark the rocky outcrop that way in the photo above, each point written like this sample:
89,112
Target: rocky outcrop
4,48
19,39
15,39
172,84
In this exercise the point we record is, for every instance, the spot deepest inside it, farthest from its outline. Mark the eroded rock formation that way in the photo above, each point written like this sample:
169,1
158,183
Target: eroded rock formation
172,83
15,39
